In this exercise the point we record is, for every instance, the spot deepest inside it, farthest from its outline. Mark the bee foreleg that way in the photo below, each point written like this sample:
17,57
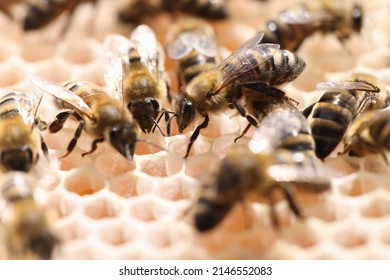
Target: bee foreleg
44,148
76,136
195,135
93,146
58,123
243,133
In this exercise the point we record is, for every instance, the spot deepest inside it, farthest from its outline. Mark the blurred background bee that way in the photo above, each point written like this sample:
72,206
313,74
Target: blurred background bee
342,102
20,142
369,134
42,12
135,70
257,66
293,26
27,224
100,113
134,11
6,6
243,173
192,43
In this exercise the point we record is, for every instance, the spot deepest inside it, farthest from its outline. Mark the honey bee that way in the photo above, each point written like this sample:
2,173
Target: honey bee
28,233
135,10
135,69
42,12
256,66
20,142
293,26
192,43
99,113
243,173
342,102
369,134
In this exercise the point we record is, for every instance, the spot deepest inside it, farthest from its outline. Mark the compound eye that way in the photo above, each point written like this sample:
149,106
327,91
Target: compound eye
188,112
357,18
155,104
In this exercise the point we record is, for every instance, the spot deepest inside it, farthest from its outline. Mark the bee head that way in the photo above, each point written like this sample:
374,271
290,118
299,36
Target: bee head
145,111
357,18
185,112
123,138
17,159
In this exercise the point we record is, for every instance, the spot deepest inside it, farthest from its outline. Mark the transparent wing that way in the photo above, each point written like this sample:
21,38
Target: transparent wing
247,57
42,85
146,43
302,169
279,123
116,49
304,16
346,85
192,40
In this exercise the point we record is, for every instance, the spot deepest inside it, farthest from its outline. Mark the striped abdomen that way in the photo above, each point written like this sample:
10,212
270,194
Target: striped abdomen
331,116
204,8
283,67
10,105
193,64
380,134
87,91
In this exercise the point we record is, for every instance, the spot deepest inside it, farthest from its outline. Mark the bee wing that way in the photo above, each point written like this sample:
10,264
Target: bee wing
42,85
189,41
310,177
304,16
276,125
116,49
242,60
145,41
345,85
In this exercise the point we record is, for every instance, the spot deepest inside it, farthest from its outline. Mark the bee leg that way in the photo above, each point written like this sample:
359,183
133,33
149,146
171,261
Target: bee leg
291,202
93,147
195,134
308,110
248,214
58,123
76,136
243,133
44,148
272,211
169,95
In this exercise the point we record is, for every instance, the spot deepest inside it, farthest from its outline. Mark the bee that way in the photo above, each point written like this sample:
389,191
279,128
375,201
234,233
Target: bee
192,43
256,66
100,114
28,233
135,10
243,173
342,102
293,26
42,12
135,69
369,134
20,142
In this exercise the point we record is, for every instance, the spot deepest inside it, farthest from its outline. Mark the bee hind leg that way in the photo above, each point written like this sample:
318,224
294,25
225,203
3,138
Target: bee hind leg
76,136
58,123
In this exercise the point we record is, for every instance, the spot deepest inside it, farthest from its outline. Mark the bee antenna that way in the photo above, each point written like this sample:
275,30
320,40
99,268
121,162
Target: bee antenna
151,144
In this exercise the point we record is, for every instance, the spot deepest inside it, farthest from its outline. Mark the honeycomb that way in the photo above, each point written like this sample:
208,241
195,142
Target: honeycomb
104,207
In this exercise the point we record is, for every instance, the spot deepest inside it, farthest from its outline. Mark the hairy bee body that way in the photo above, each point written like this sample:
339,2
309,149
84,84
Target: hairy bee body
339,105
19,142
42,12
101,114
135,10
28,232
295,25
5,6
243,172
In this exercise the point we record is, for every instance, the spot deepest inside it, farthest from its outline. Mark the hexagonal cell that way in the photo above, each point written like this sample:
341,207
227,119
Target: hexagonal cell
112,164
8,48
351,236
376,207
11,73
171,188
329,211
303,235
376,60
35,50
100,208
358,186
83,182
153,165
124,185
141,208
112,233
199,165
84,51
56,70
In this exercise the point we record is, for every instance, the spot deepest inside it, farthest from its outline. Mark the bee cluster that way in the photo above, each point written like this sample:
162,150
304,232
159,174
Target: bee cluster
157,142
